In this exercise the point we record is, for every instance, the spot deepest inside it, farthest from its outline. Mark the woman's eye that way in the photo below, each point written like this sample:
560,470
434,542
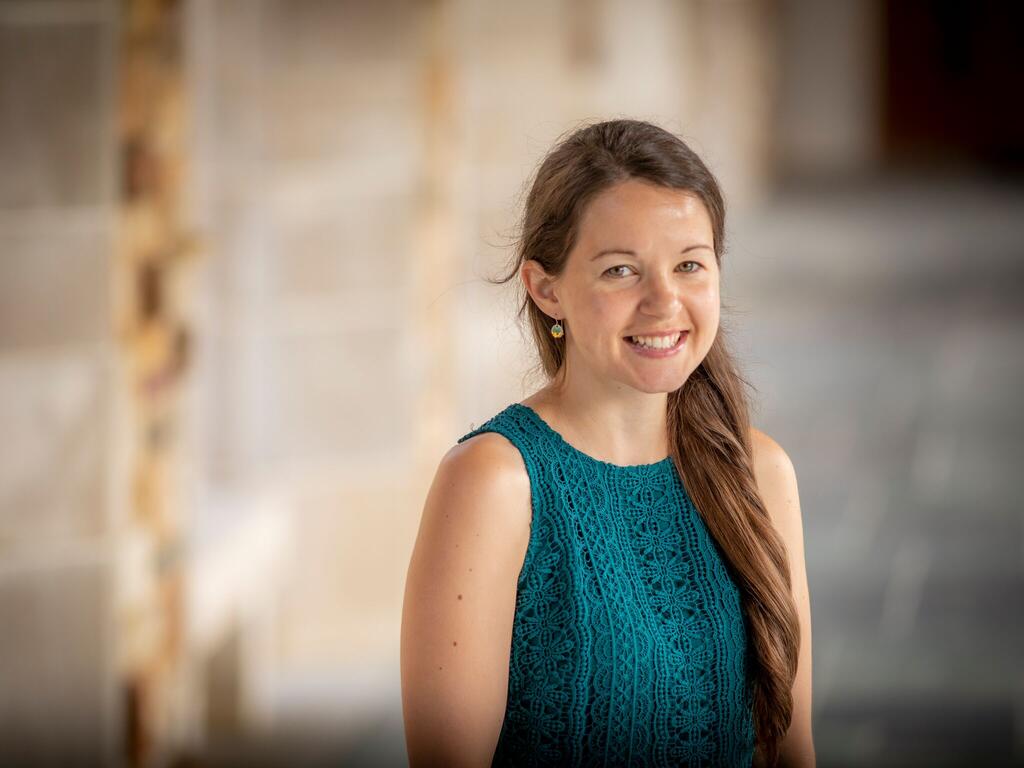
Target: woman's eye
611,270
620,266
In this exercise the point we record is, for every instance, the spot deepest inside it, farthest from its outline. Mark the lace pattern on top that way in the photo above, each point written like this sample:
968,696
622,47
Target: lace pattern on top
629,641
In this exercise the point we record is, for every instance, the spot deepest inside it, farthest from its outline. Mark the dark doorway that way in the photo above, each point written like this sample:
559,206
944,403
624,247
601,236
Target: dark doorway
952,82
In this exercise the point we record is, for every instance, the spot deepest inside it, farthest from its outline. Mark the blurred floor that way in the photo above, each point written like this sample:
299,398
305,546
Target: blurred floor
896,396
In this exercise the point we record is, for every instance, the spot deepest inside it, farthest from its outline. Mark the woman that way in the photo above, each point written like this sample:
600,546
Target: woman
611,571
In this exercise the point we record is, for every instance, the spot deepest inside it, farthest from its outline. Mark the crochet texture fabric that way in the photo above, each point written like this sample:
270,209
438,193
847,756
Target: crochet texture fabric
628,642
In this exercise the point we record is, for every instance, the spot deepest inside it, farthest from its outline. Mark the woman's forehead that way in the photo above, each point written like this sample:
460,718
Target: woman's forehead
634,210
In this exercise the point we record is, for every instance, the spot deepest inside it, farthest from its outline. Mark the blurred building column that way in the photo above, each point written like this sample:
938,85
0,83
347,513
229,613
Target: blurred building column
731,62
152,271
827,120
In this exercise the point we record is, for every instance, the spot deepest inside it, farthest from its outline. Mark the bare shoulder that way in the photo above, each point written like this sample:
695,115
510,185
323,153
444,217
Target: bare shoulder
487,466
775,476
769,457
481,494
489,452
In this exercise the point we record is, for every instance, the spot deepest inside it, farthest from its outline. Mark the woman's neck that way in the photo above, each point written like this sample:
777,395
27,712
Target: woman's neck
622,426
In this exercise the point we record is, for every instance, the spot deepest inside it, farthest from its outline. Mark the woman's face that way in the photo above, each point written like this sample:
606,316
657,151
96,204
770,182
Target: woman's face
643,265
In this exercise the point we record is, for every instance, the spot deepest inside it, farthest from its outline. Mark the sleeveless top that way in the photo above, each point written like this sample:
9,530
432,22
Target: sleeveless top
629,641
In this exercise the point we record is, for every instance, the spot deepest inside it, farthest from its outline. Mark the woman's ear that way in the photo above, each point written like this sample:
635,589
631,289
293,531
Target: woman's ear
542,288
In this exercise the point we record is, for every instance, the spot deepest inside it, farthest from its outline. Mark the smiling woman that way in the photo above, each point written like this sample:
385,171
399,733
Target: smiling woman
624,303
610,572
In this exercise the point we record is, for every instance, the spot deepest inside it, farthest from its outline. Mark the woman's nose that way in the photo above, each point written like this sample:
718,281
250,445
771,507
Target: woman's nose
662,296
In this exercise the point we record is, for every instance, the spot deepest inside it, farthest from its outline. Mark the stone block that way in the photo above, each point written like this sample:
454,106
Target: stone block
54,280
53,116
55,412
58,701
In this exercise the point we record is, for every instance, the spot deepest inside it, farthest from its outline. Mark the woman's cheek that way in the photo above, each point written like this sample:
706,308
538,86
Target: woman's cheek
603,307
707,298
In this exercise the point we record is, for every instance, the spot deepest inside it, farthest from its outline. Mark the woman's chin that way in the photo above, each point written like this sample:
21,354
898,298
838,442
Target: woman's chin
655,385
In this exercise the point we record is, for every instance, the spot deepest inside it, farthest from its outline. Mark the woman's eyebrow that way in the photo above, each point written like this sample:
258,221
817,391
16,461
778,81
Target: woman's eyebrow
627,252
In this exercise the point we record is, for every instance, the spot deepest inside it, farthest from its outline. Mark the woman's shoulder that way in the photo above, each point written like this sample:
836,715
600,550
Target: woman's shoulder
506,442
770,460
488,454
762,443
776,481
480,497
486,471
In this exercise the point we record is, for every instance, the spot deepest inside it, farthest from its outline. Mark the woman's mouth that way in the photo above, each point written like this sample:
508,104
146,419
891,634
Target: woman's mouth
664,345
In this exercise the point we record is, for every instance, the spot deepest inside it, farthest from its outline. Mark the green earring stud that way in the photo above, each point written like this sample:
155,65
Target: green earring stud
557,330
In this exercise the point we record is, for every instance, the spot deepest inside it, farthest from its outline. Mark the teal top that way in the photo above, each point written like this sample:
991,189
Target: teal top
628,641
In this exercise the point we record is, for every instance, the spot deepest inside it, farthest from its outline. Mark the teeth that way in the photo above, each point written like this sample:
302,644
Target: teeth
657,342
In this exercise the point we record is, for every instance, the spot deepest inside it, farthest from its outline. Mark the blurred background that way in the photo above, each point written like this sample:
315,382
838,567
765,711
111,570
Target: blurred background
243,315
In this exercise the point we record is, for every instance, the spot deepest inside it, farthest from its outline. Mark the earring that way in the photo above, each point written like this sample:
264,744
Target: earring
556,330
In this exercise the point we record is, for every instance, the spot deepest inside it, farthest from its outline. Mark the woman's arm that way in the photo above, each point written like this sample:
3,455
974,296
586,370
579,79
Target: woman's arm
776,482
459,604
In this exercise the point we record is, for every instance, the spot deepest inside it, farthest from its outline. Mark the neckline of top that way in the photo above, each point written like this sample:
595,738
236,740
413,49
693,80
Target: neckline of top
585,456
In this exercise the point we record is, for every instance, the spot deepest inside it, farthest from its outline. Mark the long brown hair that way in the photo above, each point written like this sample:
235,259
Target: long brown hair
708,416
